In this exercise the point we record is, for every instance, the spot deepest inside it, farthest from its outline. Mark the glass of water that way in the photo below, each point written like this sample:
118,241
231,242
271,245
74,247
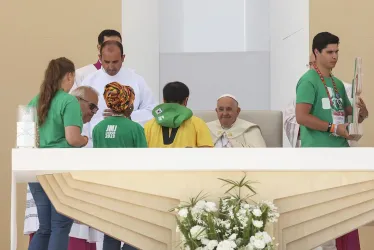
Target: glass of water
27,130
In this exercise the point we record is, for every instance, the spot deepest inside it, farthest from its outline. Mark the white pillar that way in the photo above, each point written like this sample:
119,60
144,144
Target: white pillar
289,50
140,35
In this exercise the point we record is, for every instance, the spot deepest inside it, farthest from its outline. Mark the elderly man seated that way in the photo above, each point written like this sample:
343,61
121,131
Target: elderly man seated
231,132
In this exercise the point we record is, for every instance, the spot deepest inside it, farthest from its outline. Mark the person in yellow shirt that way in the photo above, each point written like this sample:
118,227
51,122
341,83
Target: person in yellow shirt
174,125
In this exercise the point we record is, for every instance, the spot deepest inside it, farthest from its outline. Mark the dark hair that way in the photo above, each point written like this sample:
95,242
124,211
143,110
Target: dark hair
175,92
55,72
322,40
110,42
107,33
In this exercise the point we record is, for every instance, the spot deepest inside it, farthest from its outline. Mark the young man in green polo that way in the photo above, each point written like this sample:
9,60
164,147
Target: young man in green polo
322,104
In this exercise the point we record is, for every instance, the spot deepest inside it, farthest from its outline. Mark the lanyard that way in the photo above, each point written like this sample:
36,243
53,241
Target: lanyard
337,95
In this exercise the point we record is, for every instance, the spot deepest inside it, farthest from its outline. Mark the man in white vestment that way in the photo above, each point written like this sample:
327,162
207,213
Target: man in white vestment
290,125
81,73
79,230
231,132
112,57
82,237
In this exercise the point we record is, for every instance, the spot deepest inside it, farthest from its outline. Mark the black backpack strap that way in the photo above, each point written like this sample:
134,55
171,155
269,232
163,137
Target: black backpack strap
169,139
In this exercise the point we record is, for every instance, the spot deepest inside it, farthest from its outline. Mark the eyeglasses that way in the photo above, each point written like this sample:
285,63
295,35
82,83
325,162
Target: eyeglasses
93,107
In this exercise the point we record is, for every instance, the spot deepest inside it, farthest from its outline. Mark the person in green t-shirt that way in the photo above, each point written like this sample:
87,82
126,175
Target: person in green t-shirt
118,131
59,120
322,104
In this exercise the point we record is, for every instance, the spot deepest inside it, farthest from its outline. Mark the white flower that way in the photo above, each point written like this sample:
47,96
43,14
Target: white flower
200,204
226,245
196,213
266,237
257,243
205,241
249,247
183,212
210,207
238,241
231,214
257,212
242,212
211,245
257,223
246,206
198,209
260,240
232,237
187,248
198,232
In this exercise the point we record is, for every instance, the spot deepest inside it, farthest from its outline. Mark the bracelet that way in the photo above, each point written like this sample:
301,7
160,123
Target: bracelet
335,128
329,128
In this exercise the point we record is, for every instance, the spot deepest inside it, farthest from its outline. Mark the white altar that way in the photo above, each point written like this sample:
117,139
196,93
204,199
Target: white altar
300,181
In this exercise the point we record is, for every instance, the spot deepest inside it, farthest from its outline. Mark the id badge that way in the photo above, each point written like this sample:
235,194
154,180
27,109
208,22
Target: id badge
338,117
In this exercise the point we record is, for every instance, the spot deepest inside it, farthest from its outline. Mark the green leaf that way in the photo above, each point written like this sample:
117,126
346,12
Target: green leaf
211,230
264,216
247,232
229,182
242,180
250,188
230,189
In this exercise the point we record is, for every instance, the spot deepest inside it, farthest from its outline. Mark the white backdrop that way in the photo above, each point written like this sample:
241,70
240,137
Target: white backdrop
156,32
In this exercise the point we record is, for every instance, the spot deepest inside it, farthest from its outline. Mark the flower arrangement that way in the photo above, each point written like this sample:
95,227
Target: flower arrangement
237,223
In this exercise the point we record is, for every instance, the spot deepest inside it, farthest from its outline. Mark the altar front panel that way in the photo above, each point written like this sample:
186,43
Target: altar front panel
133,206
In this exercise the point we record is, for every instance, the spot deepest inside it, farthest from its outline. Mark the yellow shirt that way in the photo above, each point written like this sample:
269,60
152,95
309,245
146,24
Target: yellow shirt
191,133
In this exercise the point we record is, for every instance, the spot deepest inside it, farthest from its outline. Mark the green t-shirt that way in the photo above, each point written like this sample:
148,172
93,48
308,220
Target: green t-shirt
64,111
118,132
311,90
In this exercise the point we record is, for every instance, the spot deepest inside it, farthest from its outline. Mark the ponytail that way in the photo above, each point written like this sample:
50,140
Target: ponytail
55,72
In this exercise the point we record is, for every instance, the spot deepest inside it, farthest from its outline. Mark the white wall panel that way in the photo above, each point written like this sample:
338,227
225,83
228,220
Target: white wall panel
289,46
140,35
214,25
257,25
